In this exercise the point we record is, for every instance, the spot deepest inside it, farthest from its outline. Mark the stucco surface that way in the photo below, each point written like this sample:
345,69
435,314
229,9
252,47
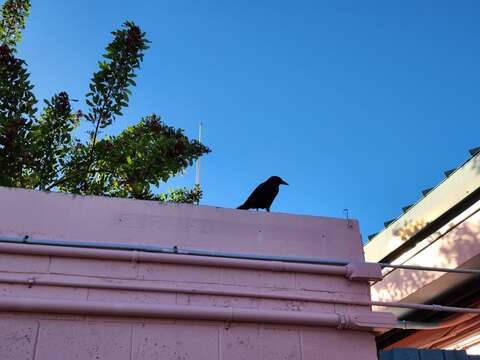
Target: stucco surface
59,335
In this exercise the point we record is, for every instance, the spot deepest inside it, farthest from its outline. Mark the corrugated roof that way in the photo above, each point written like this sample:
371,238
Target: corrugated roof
460,188
448,173
405,208
474,151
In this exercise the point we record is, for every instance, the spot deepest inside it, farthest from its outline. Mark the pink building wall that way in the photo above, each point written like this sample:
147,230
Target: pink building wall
55,305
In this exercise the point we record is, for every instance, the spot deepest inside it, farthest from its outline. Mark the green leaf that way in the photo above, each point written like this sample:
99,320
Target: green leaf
42,153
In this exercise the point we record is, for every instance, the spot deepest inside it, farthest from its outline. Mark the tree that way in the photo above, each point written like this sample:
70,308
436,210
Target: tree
41,152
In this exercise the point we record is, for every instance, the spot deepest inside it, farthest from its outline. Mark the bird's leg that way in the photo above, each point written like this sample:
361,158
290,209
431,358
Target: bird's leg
268,209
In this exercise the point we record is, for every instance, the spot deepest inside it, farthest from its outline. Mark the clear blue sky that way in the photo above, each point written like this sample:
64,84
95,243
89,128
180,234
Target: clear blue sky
357,104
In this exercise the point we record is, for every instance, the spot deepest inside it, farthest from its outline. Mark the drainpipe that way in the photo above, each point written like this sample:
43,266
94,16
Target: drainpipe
354,271
362,321
36,281
143,249
147,253
416,325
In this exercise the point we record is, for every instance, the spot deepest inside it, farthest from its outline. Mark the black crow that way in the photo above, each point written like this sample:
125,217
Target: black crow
263,196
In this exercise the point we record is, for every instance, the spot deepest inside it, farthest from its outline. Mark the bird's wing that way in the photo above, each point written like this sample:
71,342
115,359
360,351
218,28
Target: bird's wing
254,200
272,194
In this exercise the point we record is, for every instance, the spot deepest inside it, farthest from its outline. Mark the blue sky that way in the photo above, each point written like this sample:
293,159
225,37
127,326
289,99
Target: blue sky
357,104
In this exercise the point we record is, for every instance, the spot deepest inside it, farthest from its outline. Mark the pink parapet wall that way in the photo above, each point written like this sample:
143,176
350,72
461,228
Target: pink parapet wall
70,303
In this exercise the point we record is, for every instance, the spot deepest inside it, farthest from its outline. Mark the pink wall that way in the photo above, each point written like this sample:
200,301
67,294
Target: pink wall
41,321
458,246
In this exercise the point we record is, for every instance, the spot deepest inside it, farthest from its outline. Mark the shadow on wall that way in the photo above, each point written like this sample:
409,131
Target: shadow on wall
409,228
456,247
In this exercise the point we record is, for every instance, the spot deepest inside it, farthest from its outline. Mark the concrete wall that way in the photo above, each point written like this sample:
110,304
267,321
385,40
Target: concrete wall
26,333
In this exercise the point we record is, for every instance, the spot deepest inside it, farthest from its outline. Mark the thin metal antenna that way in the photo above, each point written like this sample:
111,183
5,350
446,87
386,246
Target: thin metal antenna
197,174
349,223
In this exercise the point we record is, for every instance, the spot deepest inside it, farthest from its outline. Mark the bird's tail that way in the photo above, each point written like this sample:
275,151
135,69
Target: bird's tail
243,207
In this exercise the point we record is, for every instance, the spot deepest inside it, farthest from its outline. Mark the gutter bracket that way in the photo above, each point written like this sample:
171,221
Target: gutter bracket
357,271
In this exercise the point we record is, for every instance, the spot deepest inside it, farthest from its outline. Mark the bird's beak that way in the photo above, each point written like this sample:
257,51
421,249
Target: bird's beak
284,182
